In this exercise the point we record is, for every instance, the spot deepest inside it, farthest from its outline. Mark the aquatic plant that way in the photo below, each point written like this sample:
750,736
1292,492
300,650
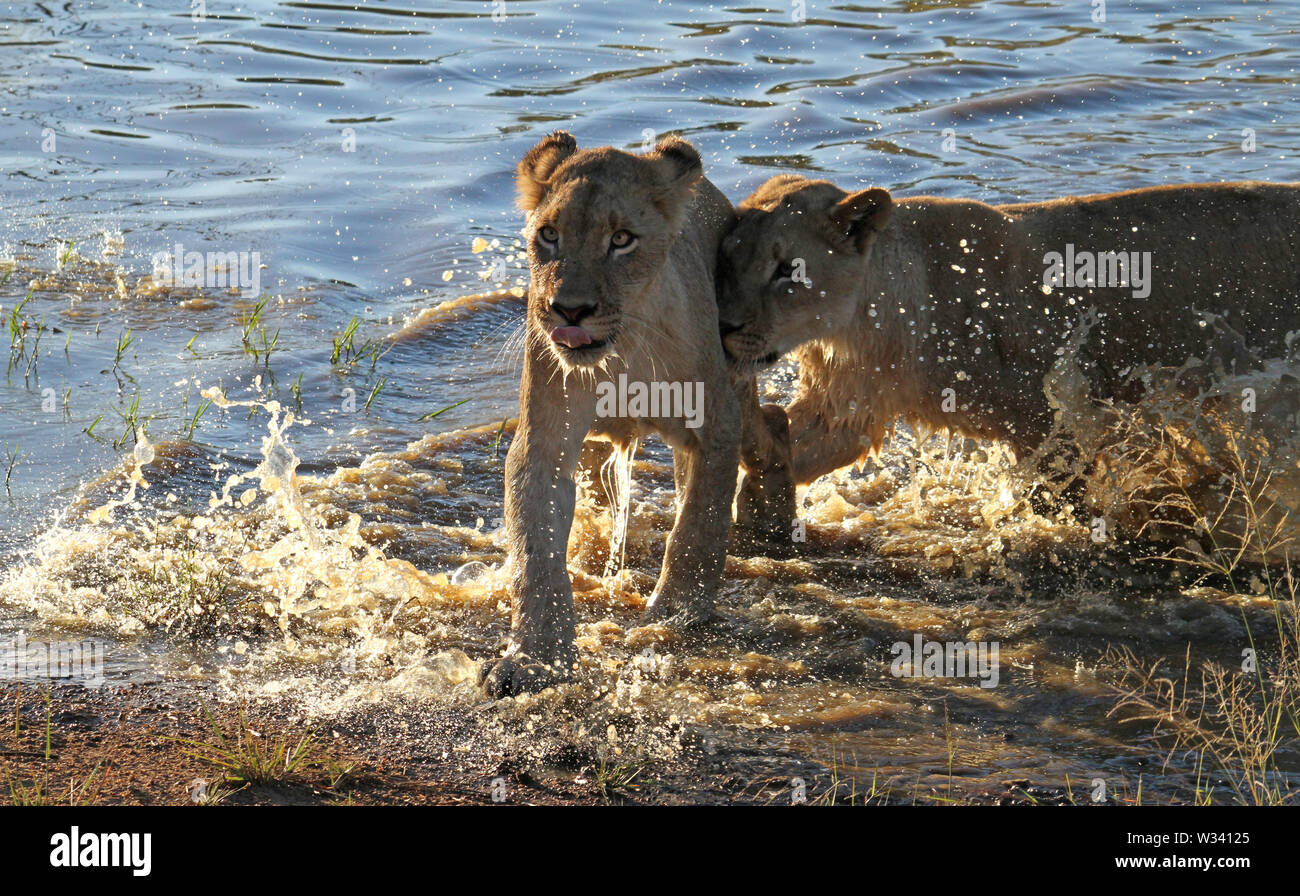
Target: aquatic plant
253,333
21,329
346,352
432,414
374,392
124,341
204,405
133,428
11,457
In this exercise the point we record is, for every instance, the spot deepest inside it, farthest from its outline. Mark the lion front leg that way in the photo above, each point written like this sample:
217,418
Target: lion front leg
704,470
540,497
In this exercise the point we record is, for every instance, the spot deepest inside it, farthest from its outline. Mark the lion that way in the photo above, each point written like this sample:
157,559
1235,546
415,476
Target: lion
622,252
949,313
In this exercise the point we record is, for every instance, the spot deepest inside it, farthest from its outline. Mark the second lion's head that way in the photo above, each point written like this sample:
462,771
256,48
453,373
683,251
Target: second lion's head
791,269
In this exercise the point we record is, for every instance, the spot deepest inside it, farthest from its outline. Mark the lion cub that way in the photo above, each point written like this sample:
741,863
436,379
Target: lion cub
622,325
949,313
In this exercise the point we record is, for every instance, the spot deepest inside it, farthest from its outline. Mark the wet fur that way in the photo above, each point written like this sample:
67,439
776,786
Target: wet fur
656,310
1219,248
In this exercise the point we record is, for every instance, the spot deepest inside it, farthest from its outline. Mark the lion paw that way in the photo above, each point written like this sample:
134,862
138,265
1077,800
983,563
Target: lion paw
765,509
510,676
679,615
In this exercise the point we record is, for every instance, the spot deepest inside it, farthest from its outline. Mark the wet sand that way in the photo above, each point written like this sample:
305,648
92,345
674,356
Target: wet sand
131,746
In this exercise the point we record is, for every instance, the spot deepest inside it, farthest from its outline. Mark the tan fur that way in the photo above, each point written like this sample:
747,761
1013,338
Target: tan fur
655,309
911,297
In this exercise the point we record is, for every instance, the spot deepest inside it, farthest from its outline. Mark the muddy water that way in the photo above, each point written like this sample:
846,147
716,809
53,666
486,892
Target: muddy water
314,537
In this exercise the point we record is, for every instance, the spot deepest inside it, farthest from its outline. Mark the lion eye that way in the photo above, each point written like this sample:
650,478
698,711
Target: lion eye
622,241
549,235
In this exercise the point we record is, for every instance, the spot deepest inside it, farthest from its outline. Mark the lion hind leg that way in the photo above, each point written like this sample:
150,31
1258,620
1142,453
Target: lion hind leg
696,552
820,446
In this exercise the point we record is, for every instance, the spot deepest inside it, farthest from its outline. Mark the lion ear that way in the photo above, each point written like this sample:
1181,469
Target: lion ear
679,169
861,215
536,168
679,161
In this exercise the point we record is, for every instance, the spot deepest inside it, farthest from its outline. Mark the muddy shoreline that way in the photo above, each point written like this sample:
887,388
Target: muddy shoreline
156,742
137,745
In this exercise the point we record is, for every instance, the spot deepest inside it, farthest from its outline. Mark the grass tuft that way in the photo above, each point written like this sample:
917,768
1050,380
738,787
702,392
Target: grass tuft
245,755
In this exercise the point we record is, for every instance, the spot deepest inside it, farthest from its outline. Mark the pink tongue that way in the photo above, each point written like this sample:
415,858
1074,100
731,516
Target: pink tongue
573,337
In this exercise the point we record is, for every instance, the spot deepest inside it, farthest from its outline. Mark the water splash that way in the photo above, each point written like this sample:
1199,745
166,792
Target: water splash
141,456
616,476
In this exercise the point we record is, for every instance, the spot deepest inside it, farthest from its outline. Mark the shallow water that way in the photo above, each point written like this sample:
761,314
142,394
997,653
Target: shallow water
366,155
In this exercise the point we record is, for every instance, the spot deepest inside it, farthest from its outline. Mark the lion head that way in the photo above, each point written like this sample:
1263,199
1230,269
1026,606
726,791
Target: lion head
791,269
600,226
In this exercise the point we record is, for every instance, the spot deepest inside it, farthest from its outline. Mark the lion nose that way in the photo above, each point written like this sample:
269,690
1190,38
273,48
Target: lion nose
572,313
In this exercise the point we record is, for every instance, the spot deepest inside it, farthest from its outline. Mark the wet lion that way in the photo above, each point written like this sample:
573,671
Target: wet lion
622,251
948,313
